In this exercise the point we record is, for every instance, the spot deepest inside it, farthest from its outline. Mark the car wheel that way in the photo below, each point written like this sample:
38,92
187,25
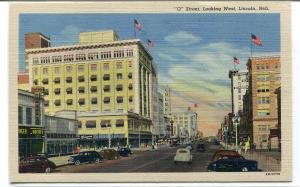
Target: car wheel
97,160
77,162
47,170
244,169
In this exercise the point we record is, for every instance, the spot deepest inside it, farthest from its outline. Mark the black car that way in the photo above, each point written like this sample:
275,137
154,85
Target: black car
125,151
85,156
233,165
200,148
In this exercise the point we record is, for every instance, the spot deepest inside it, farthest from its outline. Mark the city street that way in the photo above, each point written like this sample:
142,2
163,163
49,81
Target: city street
147,161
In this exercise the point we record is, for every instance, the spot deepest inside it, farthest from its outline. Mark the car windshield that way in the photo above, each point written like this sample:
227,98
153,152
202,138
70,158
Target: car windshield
182,151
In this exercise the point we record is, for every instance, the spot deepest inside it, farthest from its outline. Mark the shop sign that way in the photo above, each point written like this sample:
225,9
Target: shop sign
31,132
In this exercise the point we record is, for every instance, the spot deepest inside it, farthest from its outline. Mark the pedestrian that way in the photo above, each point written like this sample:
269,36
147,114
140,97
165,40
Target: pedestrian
247,146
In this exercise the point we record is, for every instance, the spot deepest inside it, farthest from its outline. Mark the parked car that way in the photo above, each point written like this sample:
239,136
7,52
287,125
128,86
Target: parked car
109,154
226,154
85,156
200,147
36,164
233,165
189,146
124,151
183,155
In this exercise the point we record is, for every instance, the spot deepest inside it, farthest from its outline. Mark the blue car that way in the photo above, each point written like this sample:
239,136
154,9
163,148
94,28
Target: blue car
233,165
85,156
125,151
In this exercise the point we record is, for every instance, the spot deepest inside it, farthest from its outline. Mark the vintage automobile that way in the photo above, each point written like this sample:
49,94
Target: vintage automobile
124,151
200,147
85,156
225,154
36,164
233,165
183,155
109,154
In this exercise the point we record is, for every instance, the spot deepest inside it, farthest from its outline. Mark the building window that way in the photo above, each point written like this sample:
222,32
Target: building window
106,66
130,99
240,97
90,124
119,76
81,90
94,89
45,81
46,103
46,92
130,87
93,67
69,69
94,101
119,87
56,59
120,123
106,88
56,80
57,102
130,75
105,124
81,101
35,82
81,79
277,77
239,90
28,116
263,90
81,68
69,102
45,71
94,78
129,52
35,60
69,79
119,65
79,124
263,100
93,56
262,78
35,71
119,54
20,114
106,100
45,60
106,77
262,114
69,58
69,90
119,99
57,91
130,64
80,57
105,55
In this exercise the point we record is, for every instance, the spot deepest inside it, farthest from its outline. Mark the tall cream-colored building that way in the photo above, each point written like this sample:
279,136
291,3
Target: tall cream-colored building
111,83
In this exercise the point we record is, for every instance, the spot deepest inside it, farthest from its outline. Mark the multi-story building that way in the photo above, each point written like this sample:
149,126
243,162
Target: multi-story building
107,80
184,124
264,79
31,128
239,85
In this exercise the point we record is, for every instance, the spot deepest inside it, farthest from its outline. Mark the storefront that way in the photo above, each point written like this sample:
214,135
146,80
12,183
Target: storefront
31,141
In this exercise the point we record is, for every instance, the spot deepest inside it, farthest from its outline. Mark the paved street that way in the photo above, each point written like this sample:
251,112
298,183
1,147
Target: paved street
146,161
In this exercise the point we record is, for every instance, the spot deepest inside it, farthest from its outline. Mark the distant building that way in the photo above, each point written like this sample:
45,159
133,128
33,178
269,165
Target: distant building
239,85
184,124
264,79
112,84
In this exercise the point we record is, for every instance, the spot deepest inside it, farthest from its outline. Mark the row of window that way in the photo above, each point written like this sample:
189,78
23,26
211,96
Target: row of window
266,66
263,90
106,77
94,101
93,89
103,124
267,78
263,100
84,56
60,135
81,68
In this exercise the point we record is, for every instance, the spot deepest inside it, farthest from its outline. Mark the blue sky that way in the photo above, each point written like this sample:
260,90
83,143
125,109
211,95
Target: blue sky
193,52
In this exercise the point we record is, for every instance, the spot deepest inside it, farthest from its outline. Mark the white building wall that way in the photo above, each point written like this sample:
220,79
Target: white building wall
240,85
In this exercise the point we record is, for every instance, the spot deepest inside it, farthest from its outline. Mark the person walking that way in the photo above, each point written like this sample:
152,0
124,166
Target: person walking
247,146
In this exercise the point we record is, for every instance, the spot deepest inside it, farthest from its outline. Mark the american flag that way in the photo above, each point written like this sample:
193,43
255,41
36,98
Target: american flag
236,60
150,43
256,40
137,25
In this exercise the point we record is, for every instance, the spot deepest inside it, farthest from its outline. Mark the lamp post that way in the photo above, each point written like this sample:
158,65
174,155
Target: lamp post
236,122
171,128
109,138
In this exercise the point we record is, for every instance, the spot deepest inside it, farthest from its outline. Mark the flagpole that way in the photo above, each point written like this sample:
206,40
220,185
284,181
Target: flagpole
251,46
134,31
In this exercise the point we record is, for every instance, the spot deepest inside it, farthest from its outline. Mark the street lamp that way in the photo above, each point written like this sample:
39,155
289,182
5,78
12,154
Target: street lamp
171,128
109,138
236,122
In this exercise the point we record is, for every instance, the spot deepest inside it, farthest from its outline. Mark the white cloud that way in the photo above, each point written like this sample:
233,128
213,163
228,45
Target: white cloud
182,38
69,35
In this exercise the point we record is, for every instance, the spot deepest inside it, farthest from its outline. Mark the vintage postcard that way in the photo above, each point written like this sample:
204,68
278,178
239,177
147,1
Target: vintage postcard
150,92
